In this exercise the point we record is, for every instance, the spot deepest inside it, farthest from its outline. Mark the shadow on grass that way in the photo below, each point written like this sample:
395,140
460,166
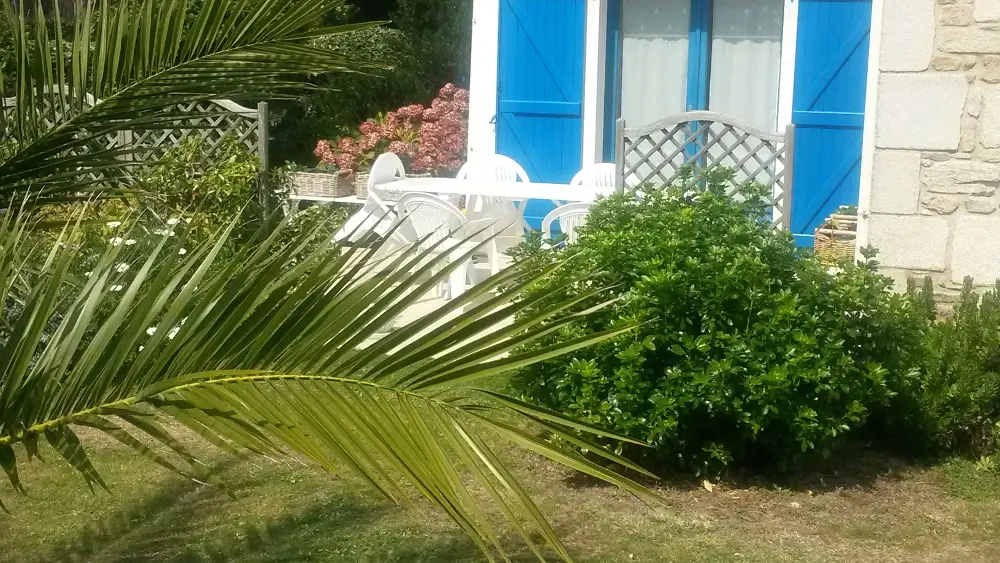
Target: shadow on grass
855,467
184,521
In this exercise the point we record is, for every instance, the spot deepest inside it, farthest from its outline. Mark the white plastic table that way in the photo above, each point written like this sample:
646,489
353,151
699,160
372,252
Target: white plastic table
519,191
513,190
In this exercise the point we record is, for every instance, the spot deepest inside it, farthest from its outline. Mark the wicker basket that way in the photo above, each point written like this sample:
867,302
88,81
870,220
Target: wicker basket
361,185
836,239
322,184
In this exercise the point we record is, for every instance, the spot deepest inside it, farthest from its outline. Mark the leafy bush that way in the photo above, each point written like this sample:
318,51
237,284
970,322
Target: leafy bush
747,352
954,405
186,193
207,191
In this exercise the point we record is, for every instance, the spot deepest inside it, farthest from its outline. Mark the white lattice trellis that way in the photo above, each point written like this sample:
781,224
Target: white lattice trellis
213,122
659,152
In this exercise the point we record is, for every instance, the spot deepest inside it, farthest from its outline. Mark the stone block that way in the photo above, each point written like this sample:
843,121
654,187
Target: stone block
987,10
969,127
942,205
982,39
989,155
953,62
989,119
921,111
980,206
975,102
974,250
957,15
896,182
907,35
960,176
910,241
991,69
900,278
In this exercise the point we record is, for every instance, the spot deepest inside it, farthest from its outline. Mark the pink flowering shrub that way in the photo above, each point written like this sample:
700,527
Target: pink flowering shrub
430,140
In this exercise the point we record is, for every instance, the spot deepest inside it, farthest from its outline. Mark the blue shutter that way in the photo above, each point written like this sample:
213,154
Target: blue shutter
831,71
540,90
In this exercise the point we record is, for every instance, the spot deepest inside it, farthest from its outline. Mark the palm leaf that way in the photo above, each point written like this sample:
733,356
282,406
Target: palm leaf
131,65
277,351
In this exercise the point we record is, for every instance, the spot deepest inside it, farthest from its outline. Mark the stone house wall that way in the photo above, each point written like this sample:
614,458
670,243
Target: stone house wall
936,170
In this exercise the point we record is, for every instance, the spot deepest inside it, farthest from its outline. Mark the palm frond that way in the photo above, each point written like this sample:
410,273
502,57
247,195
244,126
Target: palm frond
133,64
281,351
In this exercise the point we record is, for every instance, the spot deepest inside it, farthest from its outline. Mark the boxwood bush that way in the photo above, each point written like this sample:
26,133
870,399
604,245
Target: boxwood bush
747,352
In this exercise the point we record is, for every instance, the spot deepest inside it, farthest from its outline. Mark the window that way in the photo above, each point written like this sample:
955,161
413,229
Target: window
719,55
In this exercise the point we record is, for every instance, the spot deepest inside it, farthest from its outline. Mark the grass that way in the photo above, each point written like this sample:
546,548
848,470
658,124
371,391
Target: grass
284,512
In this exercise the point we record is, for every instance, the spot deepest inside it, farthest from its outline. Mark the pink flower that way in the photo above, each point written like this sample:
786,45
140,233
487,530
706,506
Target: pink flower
368,144
433,137
368,127
402,148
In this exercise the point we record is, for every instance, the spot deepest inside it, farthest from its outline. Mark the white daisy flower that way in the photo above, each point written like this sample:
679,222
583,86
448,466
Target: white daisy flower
117,287
114,224
151,330
173,221
117,241
130,242
141,348
122,268
88,274
173,332
182,251
160,232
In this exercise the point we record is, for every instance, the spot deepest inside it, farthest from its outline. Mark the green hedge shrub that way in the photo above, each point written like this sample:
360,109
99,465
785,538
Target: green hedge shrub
747,353
952,406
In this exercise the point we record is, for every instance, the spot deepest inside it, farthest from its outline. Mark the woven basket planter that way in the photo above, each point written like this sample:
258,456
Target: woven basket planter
837,239
361,184
321,184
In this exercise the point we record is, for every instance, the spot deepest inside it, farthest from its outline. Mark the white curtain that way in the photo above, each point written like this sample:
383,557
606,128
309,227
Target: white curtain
654,59
746,60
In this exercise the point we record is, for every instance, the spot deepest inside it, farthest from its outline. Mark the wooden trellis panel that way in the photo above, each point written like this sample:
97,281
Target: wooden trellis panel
213,122
702,140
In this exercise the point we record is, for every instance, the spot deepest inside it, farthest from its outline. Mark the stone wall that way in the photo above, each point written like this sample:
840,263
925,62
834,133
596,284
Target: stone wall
934,201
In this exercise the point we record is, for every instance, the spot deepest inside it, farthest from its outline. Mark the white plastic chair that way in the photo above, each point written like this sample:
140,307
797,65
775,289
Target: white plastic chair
430,216
570,217
602,175
386,168
502,212
376,215
495,167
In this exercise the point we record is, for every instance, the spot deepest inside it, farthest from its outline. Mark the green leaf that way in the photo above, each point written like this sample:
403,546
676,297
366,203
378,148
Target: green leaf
68,445
31,446
9,463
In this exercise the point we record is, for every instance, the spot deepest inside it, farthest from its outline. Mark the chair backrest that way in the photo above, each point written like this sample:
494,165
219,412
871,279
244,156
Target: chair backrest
602,174
387,168
571,217
430,216
495,167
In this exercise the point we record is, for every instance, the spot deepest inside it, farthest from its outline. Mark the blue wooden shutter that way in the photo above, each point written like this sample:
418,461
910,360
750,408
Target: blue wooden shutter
831,71
540,90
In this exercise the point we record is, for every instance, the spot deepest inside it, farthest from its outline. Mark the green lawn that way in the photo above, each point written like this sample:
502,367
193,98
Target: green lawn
292,513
